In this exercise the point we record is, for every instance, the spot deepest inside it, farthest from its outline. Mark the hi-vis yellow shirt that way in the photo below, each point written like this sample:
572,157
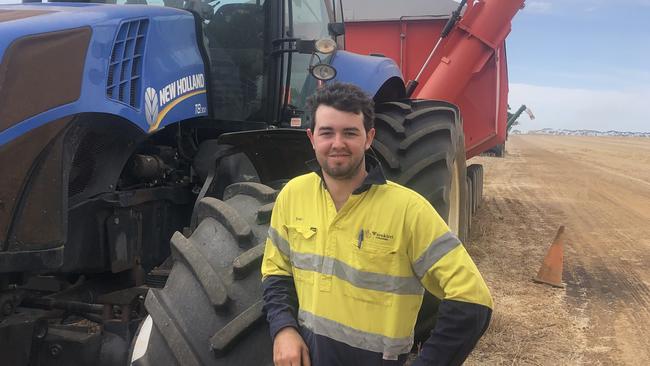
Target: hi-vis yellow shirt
360,273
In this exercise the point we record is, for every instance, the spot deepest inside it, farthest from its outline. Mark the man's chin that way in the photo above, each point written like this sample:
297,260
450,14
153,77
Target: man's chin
340,173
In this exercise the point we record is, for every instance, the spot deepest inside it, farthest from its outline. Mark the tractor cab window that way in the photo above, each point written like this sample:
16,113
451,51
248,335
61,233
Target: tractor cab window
234,36
310,19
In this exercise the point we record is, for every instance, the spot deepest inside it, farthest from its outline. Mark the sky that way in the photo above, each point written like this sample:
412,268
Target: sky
581,64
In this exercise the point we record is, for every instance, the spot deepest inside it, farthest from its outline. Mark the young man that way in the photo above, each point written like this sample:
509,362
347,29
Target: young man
350,254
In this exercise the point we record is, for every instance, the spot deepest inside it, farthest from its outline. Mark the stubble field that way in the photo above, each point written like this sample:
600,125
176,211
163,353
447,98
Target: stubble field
599,189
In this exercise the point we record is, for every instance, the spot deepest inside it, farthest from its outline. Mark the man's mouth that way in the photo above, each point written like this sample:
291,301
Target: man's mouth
338,154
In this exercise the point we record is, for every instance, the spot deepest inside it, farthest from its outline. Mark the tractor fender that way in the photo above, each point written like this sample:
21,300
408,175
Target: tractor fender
276,154
376,75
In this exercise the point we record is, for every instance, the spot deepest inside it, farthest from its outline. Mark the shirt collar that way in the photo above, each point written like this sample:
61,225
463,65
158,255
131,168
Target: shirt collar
375,173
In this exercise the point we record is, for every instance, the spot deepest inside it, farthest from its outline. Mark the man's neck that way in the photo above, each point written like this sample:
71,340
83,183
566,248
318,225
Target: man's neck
341,189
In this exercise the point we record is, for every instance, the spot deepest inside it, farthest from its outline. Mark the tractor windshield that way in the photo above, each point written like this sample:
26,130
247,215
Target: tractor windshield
310,20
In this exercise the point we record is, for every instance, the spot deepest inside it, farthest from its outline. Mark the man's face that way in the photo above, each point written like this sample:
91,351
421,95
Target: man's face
340,141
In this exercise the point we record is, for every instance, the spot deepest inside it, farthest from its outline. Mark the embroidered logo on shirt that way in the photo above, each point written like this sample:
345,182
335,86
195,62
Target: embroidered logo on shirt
375,235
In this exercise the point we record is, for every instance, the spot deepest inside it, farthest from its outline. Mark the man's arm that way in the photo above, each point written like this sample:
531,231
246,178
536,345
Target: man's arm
446,270
279,293
280,303
459,326
281,307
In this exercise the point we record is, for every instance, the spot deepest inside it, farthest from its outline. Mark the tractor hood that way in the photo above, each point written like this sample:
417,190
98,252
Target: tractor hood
139,63
20,20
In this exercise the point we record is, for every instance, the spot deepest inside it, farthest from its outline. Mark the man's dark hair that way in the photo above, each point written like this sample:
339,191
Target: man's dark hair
343,97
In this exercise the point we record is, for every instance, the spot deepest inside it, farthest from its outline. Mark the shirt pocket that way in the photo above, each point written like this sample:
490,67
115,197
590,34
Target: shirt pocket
302,236
303,246
368,278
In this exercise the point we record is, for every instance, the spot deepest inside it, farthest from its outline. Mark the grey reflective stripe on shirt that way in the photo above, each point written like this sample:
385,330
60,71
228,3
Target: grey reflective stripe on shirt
367,280
356,338
436,250
278,241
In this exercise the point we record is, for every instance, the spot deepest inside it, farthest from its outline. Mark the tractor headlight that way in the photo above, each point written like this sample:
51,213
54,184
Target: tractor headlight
323,72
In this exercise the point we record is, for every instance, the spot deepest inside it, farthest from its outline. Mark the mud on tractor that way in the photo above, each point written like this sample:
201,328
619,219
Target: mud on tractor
141,149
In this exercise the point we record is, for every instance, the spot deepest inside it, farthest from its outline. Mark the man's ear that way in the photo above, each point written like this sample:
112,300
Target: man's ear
370,136
311,138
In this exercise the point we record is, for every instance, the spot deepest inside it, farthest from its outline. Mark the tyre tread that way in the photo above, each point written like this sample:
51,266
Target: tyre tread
211,283
260,191
223,339
422,133
247,261
170,330
227,216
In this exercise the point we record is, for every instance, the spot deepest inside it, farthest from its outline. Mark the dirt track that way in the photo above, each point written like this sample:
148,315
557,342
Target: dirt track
599,188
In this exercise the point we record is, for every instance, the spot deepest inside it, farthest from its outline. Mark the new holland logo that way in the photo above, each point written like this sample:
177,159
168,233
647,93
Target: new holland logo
160,102
151,105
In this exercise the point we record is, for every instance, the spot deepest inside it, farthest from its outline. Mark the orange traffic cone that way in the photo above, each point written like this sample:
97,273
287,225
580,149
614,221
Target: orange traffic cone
550,272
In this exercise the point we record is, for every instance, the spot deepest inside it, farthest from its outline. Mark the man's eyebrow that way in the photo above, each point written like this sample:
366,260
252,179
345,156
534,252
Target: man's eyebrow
325,128
351,129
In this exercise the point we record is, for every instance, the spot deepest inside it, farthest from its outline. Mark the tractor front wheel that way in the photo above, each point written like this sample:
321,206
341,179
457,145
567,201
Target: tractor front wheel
210,310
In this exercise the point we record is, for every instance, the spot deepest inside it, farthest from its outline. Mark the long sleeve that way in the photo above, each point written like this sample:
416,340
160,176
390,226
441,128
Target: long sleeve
279,291
459,326
280,303
446,270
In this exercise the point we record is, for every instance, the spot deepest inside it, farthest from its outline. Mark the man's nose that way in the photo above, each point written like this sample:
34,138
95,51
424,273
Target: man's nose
338,140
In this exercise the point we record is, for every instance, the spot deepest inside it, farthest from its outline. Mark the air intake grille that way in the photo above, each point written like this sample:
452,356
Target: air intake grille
125,68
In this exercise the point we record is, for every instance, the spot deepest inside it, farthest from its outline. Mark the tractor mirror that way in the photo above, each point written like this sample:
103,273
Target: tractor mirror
336,29
306,47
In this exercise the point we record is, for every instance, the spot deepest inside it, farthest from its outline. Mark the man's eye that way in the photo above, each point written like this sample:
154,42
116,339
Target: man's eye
325,133
351,133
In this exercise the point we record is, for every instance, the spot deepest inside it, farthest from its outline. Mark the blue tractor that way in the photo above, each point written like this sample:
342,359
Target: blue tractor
127,127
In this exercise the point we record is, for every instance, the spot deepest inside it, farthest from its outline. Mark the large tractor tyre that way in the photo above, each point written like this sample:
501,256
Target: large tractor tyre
210,310
420,144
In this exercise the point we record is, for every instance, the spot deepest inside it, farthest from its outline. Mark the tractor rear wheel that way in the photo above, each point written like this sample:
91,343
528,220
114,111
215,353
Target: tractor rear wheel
420,144
210,310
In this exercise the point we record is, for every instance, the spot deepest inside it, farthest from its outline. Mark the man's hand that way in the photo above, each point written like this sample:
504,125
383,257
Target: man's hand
289,349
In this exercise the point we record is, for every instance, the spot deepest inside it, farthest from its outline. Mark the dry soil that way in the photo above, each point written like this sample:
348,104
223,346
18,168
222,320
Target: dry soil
599,189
